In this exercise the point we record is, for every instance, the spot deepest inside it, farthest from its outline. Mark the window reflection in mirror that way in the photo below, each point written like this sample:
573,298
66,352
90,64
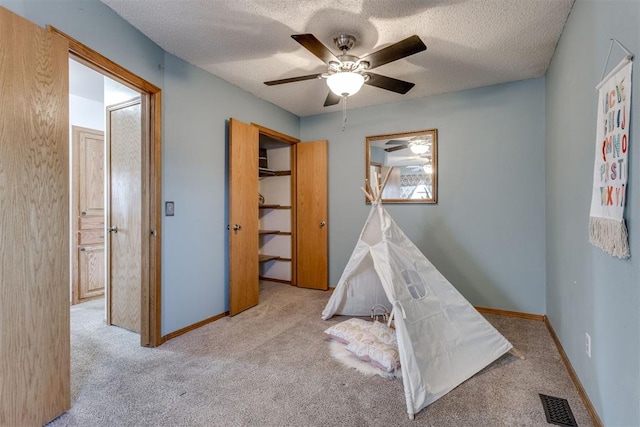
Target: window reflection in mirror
412,158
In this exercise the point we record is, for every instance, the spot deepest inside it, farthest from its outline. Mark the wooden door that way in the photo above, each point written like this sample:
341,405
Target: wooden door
87,207
34,223
124,136
311,215
243,216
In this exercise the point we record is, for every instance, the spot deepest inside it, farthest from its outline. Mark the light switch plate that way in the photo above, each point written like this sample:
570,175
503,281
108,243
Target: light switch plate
168,209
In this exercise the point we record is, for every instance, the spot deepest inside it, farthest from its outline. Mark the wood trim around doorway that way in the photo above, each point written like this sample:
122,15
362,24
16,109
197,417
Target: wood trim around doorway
275,134
150,335
293,142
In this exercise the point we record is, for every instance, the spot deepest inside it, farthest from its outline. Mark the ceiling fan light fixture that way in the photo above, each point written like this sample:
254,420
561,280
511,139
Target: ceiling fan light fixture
418,147
345,83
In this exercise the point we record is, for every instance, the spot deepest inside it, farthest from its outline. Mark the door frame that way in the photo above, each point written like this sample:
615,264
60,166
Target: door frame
150,328
293,142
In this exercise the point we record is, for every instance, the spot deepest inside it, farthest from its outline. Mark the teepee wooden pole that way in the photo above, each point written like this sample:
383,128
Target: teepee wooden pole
367,187
517,353
375,191
386,178
366,193
376,181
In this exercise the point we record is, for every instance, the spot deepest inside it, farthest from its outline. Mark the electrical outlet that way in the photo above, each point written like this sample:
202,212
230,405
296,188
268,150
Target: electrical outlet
587,343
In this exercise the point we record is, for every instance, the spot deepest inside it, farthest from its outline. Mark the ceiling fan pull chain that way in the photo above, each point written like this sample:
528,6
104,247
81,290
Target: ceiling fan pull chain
344,111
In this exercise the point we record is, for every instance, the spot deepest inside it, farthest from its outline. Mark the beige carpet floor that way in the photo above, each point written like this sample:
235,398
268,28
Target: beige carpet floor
270,366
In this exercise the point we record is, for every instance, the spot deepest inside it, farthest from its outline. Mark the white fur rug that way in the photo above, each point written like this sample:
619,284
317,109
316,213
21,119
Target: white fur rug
339,352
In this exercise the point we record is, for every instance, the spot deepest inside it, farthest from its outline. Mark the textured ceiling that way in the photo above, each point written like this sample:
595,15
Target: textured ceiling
470,43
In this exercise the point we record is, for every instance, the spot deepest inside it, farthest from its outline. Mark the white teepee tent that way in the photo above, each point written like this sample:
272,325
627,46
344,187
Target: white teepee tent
442,339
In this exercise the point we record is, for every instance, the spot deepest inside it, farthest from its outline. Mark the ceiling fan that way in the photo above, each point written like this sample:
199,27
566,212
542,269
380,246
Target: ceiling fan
418,145
395,145
347,73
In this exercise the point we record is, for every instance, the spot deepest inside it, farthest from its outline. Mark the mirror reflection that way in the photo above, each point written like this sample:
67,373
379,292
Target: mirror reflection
412,158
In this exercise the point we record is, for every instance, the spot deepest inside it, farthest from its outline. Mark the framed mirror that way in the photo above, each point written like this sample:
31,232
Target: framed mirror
413,160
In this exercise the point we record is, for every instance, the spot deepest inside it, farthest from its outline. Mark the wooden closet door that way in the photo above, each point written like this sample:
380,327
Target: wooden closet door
311,215
34,223
243,217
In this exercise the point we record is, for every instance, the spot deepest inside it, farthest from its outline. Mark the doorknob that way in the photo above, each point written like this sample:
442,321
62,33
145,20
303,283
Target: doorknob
112,229
236,227
322,223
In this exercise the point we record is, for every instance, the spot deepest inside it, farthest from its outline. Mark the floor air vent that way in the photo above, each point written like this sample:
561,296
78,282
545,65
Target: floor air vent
557,411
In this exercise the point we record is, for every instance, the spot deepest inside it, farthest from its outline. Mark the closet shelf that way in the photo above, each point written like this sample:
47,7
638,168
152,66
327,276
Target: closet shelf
261,232
281,233
265,258
265,206
264,172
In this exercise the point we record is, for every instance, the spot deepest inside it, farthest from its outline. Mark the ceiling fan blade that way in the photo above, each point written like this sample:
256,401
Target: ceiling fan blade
332,99
396,148
292,79
395,142
389,83
399,50
313,45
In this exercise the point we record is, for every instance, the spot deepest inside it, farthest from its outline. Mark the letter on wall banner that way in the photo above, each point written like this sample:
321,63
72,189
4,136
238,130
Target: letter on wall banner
607,229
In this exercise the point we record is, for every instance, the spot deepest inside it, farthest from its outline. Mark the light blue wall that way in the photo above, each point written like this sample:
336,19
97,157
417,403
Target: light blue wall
196,108
486,234
587,290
